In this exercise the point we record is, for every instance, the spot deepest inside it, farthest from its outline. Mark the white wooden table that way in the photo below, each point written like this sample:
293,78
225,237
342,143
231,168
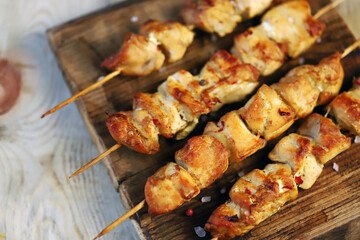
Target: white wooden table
36,156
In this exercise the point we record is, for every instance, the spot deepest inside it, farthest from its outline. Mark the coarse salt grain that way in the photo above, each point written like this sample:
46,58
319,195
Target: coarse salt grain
99,78
301,61
162,69
206,199
241,174
200,232
232,180
357,139
134,19
318,40
223,190
335,167
213,38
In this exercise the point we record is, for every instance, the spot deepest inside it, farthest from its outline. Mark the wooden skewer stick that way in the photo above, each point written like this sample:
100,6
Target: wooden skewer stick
121,219
142,203
351,48
327,8
95,160
83,92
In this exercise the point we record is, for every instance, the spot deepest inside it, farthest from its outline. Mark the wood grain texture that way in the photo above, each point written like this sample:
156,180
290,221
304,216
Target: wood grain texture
317,213
36,156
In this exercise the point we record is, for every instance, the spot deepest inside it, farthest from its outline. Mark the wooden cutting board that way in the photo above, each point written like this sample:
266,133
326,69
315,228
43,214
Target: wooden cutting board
330,209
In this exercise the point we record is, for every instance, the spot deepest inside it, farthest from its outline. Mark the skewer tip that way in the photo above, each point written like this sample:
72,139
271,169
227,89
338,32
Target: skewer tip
121,219
84,91
45,114
351,48
95,160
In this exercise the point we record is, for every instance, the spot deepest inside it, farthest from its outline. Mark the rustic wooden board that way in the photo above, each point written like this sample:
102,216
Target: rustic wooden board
330,208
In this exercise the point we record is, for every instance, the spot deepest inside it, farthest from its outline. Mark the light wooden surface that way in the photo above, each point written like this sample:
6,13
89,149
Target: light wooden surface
36,156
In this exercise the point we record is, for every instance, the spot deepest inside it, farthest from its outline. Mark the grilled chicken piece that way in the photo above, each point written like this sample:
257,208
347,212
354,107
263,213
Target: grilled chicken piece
134,129
346,109
299,93
213,16
327,76
164,112
329,141
233,133
267,114
168,188
296,151
249,9
254,47
177,87
254,197
137,57
224,79
205,158
173,37
292,25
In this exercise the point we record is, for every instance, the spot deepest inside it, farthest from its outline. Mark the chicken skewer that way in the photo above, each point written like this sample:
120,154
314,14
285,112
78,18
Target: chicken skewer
138,143
204,158
128,62
260,194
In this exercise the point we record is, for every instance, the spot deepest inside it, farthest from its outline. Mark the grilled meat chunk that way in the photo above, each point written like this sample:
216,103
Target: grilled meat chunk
205,158
137,57
224,79
327,76
292,25
134,129
213,16
254,47
249,9
329,141
297,151
164,112
173,37
267,114
253,198
168,188
235,136
346,109
299,93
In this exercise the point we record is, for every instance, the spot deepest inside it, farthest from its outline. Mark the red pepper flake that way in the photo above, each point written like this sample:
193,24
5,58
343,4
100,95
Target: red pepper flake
222,126
298,180
247,191
156,122
189,212
247,33
288,187
216,100
234,218
282,113
357,81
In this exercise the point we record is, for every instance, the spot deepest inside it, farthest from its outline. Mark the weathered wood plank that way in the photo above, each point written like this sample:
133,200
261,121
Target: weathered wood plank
82,44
